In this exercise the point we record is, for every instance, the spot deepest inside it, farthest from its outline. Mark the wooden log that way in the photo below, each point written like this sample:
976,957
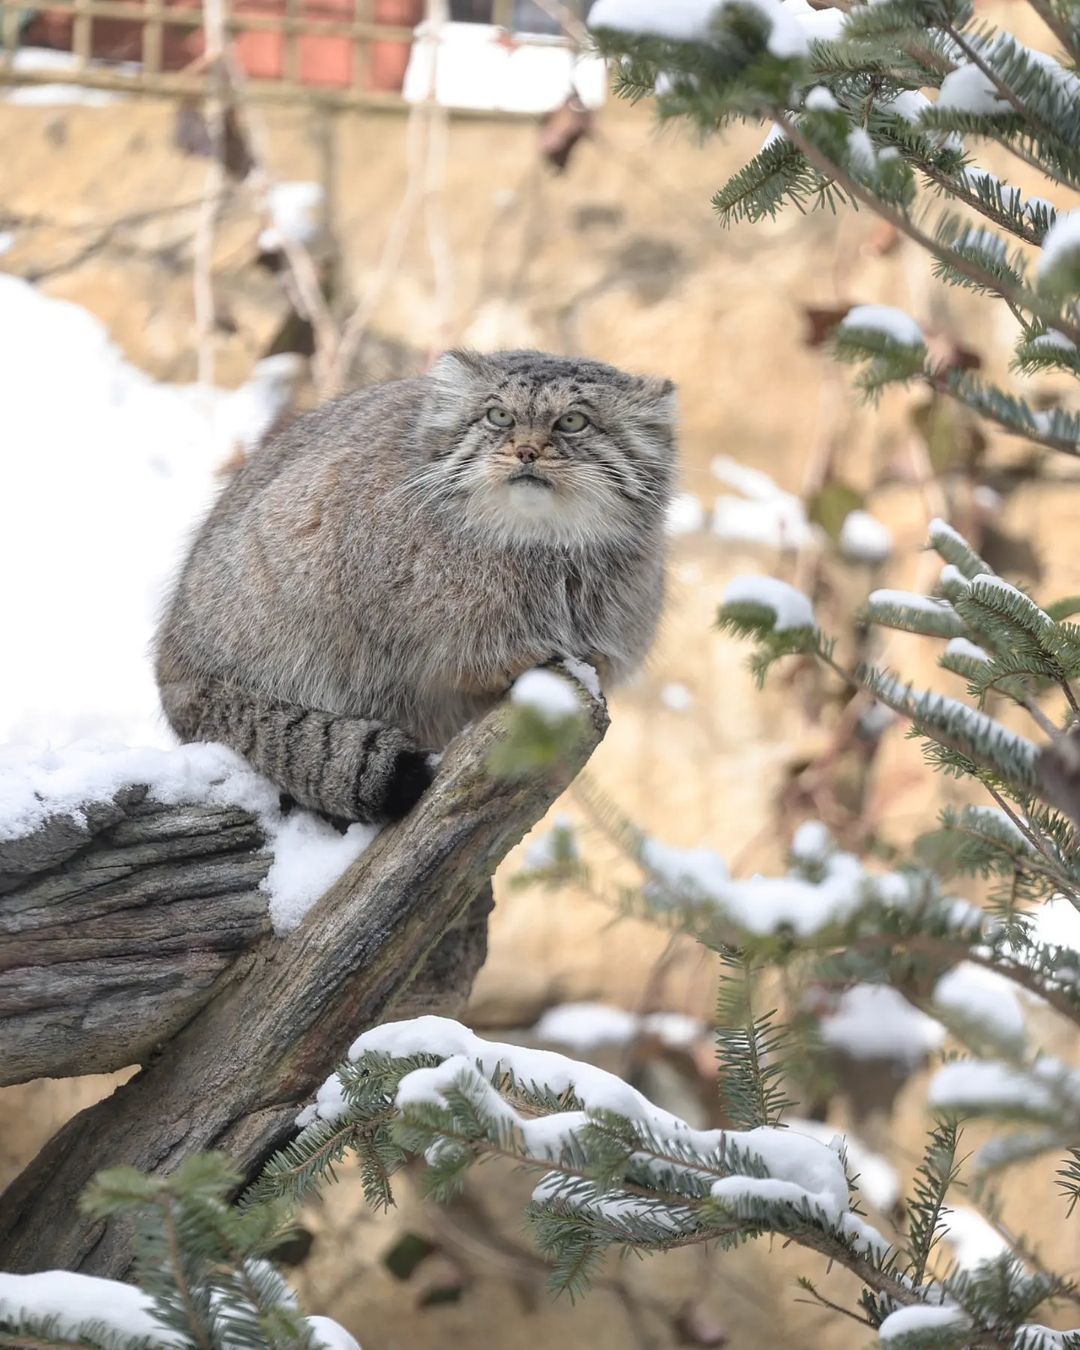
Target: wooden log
284,1012
114,930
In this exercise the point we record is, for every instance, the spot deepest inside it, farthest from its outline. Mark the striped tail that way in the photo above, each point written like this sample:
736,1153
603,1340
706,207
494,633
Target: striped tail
347,768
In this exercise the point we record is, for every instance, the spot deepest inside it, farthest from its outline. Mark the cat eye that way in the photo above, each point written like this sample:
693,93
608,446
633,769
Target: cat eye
571,421
499,417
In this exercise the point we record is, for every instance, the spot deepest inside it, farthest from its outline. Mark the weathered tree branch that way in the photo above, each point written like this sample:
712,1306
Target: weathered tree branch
403,927
114,931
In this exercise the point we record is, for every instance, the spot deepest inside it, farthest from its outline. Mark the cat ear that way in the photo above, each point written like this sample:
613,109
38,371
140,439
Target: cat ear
459,367
659,404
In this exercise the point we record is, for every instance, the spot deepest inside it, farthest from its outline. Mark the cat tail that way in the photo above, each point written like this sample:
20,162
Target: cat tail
349,768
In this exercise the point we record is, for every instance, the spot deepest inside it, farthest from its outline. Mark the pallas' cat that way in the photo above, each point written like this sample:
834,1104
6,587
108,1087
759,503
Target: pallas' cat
377,574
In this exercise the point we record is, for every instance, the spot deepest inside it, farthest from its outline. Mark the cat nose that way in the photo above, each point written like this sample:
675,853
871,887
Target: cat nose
526,453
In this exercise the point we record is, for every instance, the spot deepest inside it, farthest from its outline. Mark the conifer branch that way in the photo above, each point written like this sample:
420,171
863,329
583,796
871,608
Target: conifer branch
979,275
1068,37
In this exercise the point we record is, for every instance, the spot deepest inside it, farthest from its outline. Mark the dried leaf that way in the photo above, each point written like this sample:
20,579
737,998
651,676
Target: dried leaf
191,135
821,321
561,131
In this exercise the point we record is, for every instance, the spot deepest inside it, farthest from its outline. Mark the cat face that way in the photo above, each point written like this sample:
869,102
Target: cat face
533,447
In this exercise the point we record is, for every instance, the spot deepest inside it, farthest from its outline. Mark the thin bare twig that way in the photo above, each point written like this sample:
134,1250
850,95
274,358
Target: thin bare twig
203,279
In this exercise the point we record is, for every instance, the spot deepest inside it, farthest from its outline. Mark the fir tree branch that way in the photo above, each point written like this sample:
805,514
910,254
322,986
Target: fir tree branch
1026,114
907,227
819,1300
197,1330
957,387
956,951
1067,36
1034,839
957,188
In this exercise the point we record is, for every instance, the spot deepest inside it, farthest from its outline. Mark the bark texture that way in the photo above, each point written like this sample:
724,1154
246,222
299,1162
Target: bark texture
402,931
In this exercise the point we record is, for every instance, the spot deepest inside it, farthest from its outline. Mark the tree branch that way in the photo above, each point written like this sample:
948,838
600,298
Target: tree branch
285,1011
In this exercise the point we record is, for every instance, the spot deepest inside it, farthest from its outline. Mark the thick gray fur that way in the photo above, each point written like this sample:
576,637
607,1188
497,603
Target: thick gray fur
377,574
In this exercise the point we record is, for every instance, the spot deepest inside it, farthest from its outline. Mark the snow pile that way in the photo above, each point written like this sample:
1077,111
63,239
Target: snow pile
294,214
977,725
77,1299
878,1181
967,89
980,998
863,538
763,514
308,854
677,697
799,1170
590,1026
987,582
471,65
693,873
685,514
1060,246
74,1301
959,646
793,24
971,1238
791,608
1046,1087
584,674
547,694
820,99
765,904
861,152
122,467
921,1317
1053,341
889,322
874,1021
812,842
40,59
988,247
1057,923
928,604
908,104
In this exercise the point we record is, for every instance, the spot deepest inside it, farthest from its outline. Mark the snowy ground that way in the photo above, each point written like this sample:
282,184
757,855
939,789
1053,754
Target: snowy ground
106,474
105,471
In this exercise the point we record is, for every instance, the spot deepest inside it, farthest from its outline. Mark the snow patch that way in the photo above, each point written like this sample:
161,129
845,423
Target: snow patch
1060,245
960,646
677,697
124,467
294,215
308,853
820,99
790,606
692,21
971,1238
967,89
590,1026
685,514
863,538
800,1171
921,1317
981,998
547,694
885,319
878,1181
873,1021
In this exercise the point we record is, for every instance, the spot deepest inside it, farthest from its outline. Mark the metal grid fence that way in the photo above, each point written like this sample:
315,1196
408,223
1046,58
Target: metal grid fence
295,36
